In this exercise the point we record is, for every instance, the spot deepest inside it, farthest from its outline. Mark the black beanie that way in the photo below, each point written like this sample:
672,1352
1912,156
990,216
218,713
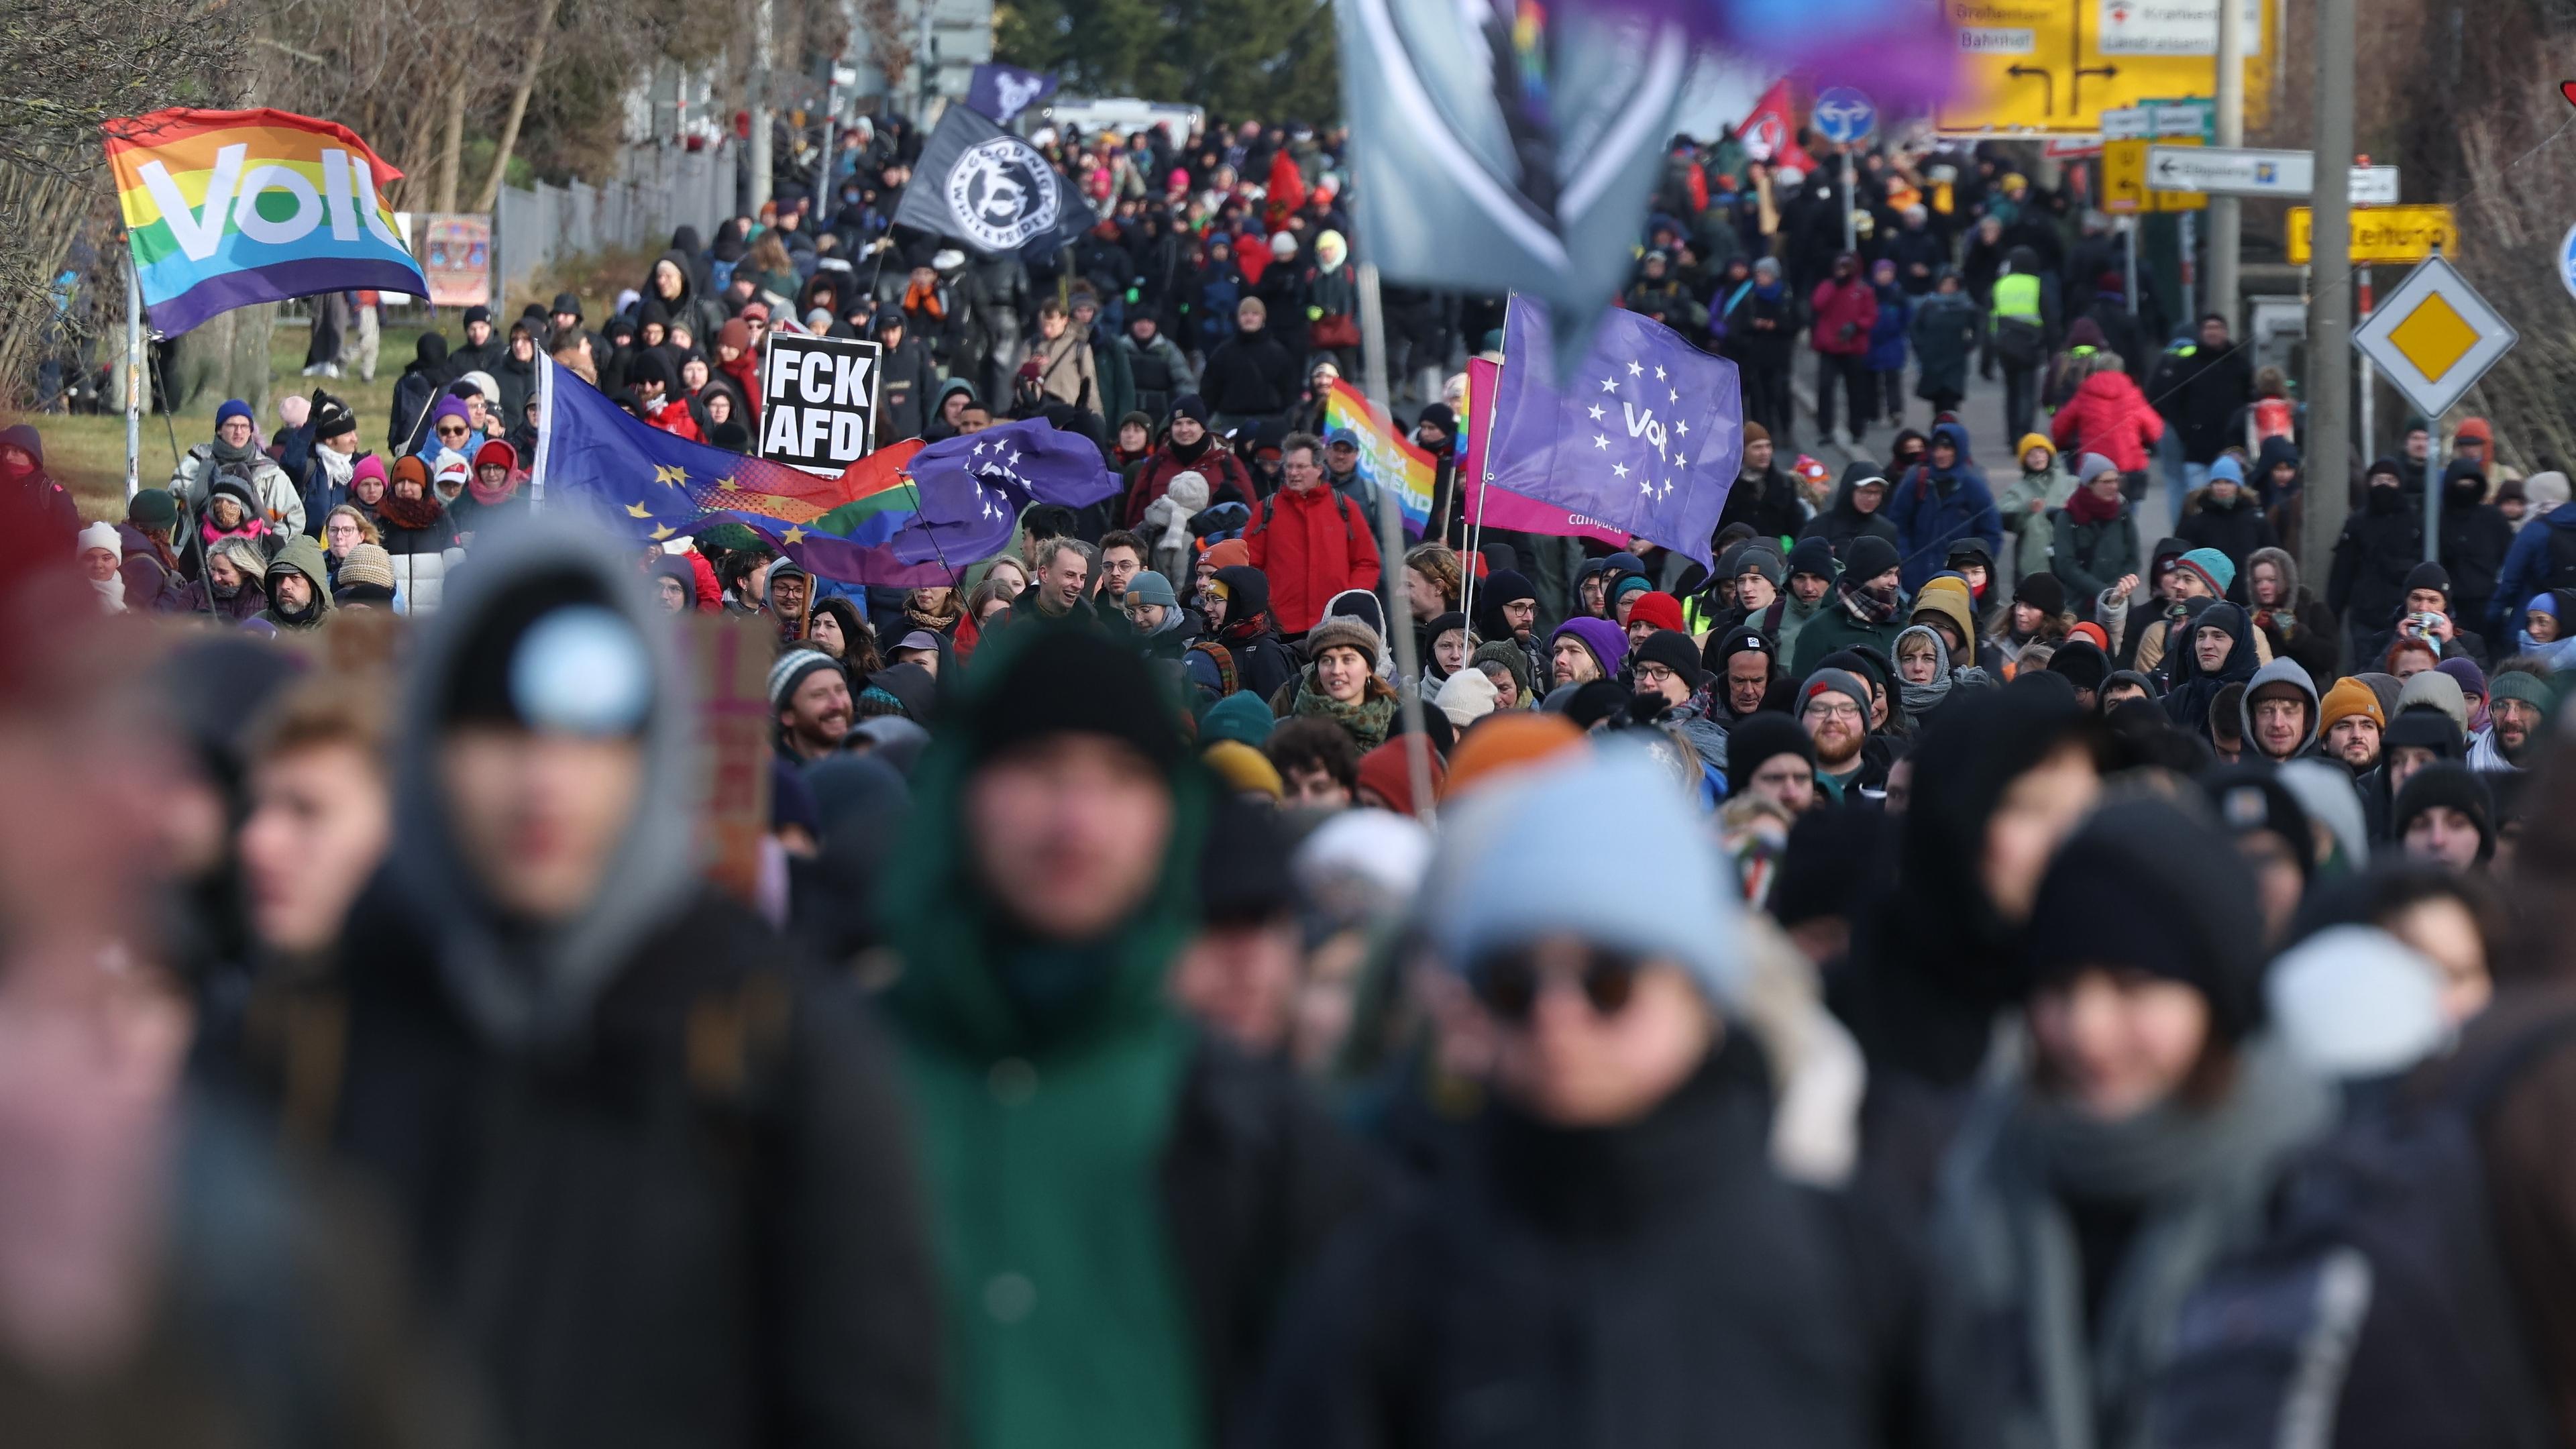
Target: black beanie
1868,556
1813,555
2042,592
2250,797
1595,701
1746,640
1672,649
2082,662
1835,863
1757,737
2454,785
1064,680
2429,575
2148,885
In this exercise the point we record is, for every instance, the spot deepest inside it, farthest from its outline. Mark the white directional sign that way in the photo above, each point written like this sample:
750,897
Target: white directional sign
2236,171
2231,171
2434,337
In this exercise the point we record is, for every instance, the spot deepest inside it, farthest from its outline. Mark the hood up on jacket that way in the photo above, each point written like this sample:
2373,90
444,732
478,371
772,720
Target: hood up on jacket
571,596
2279,671
2289,567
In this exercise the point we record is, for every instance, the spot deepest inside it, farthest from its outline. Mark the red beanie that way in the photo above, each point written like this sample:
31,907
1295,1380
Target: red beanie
1657,608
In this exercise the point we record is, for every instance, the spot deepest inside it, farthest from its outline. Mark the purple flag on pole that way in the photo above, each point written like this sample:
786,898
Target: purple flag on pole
1648,435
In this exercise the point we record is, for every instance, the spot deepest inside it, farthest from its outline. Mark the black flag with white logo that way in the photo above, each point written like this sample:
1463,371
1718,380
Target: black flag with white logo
987,188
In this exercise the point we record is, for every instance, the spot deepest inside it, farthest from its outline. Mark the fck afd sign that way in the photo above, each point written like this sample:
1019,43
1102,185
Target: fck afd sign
818,401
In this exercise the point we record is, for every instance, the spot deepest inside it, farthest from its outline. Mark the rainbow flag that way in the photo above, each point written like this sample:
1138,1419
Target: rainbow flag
228,208
1387,459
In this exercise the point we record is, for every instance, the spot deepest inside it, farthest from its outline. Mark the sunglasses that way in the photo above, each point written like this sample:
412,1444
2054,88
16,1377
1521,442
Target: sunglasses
457,431
1509,982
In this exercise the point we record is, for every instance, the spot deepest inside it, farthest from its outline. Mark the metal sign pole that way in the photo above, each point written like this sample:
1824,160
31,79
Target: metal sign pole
1851,234
1390,529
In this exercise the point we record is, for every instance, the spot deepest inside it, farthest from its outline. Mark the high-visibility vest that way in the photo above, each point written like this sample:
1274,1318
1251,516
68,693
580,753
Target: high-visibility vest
2017,295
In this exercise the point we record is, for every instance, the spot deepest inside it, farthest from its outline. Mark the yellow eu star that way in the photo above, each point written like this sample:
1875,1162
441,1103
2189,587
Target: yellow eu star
671,473
638,510
793,534
728,485
663,532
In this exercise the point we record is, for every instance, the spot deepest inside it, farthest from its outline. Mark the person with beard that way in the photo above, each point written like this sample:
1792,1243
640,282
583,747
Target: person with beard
1187,447
1851,761
1857,511
809,698
2220,653
2129,1150
1507,613
1867,607
2380,545
2517,703
1811,574
2350,723
1618,1177
298,584
1236,604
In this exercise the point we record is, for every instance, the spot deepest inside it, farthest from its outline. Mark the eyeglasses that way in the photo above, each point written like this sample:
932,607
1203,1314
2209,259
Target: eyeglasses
1821,710
1654,674
1509,982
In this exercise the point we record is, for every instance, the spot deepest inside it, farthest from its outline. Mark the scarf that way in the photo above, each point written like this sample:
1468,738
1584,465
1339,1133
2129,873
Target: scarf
924,300
1868,605
940,623
401,512
2199,1179
1192,452
226,455
2090,511
1922,699
111,593
491,496
337,467
1368,719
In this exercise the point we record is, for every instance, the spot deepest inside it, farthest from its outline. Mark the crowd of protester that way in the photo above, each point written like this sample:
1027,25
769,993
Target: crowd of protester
1853,994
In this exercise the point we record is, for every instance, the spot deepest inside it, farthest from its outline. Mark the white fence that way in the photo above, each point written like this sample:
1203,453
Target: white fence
656,190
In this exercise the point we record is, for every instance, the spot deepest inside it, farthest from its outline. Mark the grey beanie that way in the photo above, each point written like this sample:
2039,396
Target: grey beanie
2092,466
1149,587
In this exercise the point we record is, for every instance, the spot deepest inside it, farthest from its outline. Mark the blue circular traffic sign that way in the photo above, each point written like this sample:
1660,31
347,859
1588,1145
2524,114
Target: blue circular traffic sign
2567,260
1844,115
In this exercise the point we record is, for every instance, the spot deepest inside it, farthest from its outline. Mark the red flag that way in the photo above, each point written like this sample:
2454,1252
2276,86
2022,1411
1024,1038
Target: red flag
1287,185
1770,131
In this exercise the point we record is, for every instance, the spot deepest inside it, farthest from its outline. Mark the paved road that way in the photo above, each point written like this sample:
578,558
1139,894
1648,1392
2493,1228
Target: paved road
1983,412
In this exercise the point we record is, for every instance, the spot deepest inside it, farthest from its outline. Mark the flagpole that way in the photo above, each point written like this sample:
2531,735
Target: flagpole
1391,545
136,379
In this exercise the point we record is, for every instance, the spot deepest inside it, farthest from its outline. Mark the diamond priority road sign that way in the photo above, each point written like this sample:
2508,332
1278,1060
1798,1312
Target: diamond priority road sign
2434,337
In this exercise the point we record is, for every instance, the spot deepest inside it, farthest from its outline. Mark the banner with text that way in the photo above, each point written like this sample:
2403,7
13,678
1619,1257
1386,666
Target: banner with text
818,408
1387,461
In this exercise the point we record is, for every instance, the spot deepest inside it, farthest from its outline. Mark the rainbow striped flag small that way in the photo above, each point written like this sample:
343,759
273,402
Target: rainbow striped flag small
227,208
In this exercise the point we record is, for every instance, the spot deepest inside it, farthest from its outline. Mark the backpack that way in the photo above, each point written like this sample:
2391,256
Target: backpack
2020,342
1270,509
2562,559
2378,1303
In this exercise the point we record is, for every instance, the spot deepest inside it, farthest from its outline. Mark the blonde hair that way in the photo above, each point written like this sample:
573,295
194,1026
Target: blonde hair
367,530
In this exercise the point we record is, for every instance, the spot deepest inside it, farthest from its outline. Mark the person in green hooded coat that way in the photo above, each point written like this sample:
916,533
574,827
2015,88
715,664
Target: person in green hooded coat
1122,1203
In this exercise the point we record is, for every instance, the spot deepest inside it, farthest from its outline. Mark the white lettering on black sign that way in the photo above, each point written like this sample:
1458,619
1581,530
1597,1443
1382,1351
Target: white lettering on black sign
818,407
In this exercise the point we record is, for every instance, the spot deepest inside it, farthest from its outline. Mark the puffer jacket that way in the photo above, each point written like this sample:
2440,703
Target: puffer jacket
2109,415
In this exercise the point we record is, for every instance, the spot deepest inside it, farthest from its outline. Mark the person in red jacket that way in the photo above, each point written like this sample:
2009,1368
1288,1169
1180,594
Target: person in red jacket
1308,541
2110,416
648,377
1845,308
1187,447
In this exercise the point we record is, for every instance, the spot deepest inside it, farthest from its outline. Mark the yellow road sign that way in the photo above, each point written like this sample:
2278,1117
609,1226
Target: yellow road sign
2382,234
2434,337
2054,66
2124,181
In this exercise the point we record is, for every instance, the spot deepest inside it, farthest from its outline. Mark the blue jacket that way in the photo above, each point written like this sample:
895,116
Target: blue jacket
2526,569
1932,511
1887,334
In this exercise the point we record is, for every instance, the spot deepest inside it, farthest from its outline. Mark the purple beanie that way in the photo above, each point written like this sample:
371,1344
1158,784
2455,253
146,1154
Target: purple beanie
1607,641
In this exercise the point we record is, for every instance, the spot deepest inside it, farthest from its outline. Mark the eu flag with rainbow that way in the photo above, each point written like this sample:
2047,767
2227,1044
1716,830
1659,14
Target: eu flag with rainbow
903,516
227,208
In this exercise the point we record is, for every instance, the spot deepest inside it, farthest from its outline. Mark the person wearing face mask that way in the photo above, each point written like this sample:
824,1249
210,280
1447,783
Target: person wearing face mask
2380,546
2091,1190
1613,1237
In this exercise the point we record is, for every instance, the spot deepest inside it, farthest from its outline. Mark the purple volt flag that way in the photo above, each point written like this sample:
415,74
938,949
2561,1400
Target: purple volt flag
1003,91
1647,436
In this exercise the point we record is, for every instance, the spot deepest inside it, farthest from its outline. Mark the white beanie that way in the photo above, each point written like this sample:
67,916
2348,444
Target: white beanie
100,535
